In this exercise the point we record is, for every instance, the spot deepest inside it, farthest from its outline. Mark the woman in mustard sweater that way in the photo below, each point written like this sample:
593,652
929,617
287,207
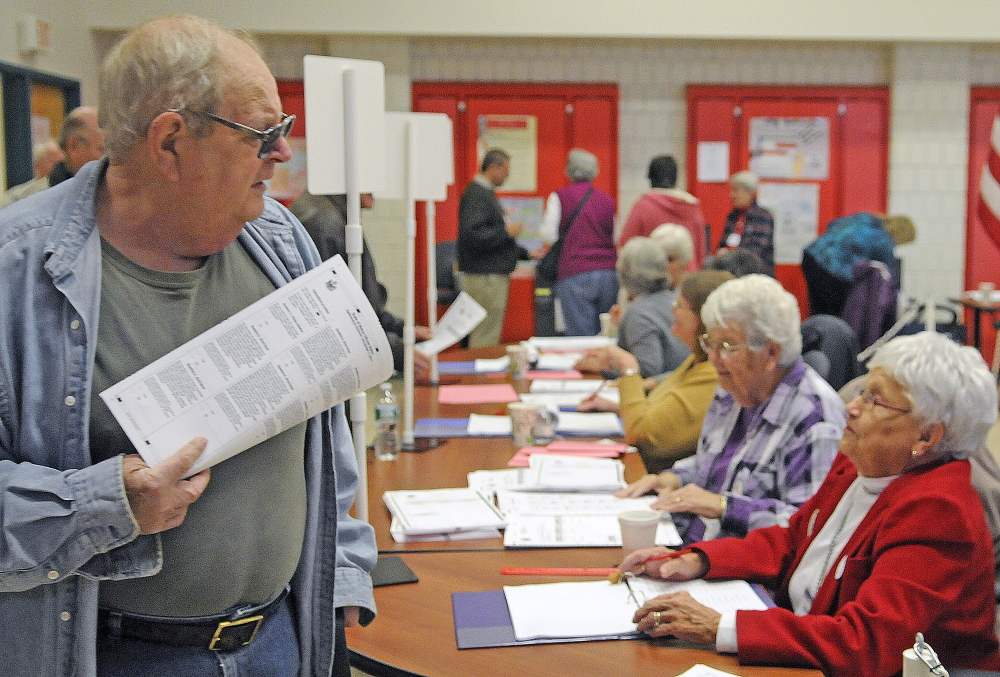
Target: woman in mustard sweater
665,424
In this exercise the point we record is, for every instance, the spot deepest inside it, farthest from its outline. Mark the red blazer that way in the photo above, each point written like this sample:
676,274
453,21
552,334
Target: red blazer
920,561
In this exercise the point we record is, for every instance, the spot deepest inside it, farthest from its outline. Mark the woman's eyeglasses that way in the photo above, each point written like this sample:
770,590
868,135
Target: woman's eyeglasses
268,137
869,399
725,348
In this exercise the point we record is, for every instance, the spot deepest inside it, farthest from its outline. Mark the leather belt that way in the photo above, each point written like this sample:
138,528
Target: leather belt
221,632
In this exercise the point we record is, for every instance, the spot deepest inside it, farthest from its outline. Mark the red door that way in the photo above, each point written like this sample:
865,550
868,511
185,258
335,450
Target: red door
561,116
820,153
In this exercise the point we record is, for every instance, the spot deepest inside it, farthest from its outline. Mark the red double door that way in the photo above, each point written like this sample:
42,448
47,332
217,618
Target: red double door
560,117
730,125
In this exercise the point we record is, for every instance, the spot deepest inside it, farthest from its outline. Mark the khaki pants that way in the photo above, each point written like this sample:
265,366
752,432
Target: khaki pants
489,291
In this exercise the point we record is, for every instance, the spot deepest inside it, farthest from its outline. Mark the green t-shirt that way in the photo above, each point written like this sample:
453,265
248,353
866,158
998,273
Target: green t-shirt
241,540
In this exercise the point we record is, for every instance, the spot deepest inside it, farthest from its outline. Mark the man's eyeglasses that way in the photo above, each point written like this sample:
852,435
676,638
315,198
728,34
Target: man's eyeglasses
268,137
869,400
725,348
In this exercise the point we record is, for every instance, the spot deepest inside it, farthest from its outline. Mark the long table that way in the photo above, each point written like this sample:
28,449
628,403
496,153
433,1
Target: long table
414,631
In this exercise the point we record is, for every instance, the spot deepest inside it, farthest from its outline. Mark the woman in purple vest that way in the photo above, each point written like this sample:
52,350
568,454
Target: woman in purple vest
586,284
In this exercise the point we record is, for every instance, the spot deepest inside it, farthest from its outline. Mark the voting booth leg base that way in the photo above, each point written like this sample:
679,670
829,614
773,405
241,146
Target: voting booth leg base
423,444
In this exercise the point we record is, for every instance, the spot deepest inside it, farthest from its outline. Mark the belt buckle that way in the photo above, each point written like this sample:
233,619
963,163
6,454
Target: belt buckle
223,640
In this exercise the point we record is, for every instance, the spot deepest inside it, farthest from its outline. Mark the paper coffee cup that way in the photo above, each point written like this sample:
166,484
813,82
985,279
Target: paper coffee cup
638,529
522,422
518,361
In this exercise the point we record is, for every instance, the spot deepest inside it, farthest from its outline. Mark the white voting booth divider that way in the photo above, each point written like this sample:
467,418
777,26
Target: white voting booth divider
419,166
345,142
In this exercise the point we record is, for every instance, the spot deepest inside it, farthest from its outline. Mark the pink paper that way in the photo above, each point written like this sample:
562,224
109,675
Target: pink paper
571,447
582,449
520,459
568,374
478,394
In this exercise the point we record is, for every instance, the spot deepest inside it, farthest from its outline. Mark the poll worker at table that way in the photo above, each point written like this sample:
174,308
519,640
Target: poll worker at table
895,541
644,329
665,425
773,427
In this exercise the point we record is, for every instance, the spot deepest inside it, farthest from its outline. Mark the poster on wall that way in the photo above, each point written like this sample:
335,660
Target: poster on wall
526,210
796,217
790,148
518,136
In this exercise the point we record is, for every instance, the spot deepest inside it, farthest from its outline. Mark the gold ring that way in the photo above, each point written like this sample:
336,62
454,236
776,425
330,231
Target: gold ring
677,499
656,618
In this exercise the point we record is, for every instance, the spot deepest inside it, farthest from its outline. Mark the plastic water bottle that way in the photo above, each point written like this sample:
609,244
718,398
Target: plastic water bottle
386,425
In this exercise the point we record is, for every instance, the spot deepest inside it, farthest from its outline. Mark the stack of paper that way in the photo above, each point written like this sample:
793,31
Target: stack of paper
557,361
604,610
571,474
488,482
442,511
568,400
477,394
568,343
577,520
558,385
589,424
521,459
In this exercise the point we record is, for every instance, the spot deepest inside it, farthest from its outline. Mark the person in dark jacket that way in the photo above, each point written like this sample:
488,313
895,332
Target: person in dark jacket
748,226
487,250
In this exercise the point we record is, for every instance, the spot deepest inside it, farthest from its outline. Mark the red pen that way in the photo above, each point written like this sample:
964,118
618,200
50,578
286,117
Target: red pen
555,571
617,575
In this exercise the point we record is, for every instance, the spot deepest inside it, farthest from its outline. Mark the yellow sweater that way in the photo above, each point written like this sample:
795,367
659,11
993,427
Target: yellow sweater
665,425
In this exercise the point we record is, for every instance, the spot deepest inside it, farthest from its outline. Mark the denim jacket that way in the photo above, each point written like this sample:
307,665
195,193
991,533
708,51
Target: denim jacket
65,522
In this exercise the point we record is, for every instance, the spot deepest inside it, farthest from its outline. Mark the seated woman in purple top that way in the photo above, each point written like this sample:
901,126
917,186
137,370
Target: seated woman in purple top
773,427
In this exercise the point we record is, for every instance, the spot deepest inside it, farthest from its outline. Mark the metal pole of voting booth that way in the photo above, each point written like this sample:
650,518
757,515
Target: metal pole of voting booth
430,211
355,245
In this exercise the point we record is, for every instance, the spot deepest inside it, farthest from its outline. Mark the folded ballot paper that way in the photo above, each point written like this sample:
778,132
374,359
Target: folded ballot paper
422,512
291,355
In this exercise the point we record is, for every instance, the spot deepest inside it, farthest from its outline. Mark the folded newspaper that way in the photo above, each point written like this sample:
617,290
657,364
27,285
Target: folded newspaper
300,350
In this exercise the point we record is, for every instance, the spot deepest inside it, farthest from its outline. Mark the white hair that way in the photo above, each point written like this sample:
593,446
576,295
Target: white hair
762,309
581,165
946,383
746,180
642,266
173,62
675,240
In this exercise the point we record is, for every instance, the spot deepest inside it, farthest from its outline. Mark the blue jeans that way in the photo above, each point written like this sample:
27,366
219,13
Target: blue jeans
584,297
274,652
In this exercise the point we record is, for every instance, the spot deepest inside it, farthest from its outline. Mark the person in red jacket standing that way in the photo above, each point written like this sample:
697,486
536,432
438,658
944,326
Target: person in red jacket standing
665,203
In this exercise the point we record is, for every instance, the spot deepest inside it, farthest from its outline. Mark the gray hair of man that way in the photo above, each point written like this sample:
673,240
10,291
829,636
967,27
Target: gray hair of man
642,267
675,240
169,63
945,383
493,156
760,307
581,165
746,180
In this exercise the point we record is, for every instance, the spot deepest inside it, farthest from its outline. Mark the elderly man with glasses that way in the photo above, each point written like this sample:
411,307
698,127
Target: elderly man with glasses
109,566
772,430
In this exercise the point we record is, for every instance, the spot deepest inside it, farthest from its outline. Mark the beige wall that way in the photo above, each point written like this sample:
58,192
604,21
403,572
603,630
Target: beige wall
966,20
927,53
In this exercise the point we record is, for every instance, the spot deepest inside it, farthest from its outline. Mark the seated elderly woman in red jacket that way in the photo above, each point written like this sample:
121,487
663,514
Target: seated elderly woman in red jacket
894,542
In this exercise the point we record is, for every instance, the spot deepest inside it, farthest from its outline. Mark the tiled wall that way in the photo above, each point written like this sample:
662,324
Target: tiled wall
929,127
